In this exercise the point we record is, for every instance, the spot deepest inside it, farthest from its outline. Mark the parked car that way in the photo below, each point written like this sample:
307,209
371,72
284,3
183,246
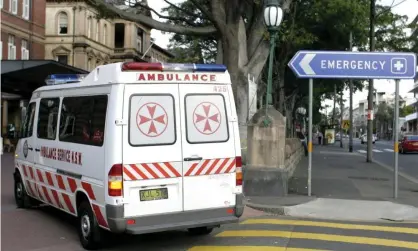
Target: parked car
409,143
364,138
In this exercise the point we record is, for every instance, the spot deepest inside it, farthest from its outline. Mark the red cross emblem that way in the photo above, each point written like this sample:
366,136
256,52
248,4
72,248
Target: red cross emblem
151,119
207,118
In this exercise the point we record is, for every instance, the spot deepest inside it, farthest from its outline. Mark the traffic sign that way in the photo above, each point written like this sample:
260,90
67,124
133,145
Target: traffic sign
346,124
354,65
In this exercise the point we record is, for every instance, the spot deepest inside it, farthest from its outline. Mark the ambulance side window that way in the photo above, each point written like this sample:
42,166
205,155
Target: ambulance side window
206,118
48,118
27,128
83,120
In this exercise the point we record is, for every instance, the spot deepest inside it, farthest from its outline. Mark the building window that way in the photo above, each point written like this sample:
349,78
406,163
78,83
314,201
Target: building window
25,9
104,34
25,50
62,59
89,26
139,35
139,44
12,48
1,4
1,49
63,23
97,31
13,6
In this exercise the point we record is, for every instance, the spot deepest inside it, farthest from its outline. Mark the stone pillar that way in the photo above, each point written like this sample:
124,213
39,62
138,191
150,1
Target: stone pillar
264,174
5,116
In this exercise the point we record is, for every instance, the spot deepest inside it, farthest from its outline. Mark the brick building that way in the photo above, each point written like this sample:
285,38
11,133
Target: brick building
22,29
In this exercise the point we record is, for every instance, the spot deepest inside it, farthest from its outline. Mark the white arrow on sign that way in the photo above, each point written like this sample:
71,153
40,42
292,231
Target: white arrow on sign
304,64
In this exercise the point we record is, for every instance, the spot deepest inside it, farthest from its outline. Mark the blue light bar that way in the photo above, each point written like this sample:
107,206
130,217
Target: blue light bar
56,79
178,67
210,67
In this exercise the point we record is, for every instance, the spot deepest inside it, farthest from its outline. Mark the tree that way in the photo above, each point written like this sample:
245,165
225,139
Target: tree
237,29
237,25
406,110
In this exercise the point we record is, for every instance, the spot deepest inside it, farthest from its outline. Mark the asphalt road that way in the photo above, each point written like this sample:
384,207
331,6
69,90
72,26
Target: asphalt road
383,152
46,229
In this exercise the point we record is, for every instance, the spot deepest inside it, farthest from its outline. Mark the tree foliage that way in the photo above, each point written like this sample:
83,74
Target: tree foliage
406,110
309,24
232,32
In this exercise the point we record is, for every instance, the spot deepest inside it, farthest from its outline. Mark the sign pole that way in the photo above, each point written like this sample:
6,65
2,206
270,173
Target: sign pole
310,137
396,141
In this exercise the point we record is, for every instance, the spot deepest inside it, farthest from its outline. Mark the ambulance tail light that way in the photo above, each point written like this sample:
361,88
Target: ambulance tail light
115,180
238,171
171,67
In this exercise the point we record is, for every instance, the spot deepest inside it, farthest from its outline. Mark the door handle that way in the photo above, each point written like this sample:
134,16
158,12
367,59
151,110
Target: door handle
37,149
193,158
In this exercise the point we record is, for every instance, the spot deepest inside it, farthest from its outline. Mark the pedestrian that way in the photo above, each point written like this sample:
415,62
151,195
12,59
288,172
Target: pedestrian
304,143
320,138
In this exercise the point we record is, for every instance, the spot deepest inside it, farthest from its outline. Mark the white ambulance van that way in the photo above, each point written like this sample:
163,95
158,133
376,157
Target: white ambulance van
134,148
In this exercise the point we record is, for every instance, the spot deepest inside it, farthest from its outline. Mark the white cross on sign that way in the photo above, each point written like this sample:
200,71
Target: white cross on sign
398,65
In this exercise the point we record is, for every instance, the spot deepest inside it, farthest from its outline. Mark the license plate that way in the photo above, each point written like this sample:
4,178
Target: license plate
153,194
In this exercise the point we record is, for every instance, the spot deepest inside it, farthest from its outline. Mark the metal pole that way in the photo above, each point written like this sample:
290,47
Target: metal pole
370,96
395,130
341,120
350,141
310,137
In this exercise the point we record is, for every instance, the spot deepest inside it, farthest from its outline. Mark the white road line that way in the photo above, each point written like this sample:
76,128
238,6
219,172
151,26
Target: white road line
377,151
362,151
388,150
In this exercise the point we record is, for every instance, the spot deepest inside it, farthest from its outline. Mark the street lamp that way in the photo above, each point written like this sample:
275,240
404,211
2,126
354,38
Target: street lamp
273,15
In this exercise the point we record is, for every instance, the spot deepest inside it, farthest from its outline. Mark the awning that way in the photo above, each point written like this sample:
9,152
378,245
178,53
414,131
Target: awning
24,76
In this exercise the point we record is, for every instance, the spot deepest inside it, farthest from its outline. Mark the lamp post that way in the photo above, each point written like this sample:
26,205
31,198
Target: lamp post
273,15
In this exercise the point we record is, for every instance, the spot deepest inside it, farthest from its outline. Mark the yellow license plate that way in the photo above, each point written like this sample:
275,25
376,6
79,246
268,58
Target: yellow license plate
153,194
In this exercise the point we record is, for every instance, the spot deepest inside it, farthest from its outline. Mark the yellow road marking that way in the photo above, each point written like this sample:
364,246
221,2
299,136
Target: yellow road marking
248,248
404,230
322,237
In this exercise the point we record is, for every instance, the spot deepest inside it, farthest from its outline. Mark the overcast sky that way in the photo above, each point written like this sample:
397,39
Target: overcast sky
404,7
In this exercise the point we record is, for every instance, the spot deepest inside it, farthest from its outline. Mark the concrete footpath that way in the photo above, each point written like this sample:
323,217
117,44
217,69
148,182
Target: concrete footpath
345,187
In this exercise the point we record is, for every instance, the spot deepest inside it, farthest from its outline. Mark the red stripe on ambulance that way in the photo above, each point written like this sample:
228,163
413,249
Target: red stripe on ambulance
147,171
99,216
54,189
89,190
212,166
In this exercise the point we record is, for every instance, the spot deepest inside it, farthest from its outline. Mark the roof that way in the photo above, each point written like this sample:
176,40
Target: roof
164,51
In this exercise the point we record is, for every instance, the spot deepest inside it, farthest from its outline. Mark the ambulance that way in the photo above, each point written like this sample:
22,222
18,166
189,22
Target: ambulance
133,148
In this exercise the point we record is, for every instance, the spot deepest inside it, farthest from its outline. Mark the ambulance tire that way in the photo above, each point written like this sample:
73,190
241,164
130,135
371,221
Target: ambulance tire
200,230
23,200
88,229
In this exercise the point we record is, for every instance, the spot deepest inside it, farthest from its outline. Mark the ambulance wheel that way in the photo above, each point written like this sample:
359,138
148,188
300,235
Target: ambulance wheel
88,228
200,230
21,197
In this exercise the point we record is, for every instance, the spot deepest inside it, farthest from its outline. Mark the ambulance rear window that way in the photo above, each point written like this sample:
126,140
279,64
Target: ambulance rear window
152,120
206,118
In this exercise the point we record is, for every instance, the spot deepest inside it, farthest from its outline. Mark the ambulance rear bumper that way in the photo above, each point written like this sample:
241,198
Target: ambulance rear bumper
174,221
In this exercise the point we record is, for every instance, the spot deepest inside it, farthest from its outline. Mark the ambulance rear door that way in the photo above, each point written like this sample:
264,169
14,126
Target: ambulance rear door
208,146
152,158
